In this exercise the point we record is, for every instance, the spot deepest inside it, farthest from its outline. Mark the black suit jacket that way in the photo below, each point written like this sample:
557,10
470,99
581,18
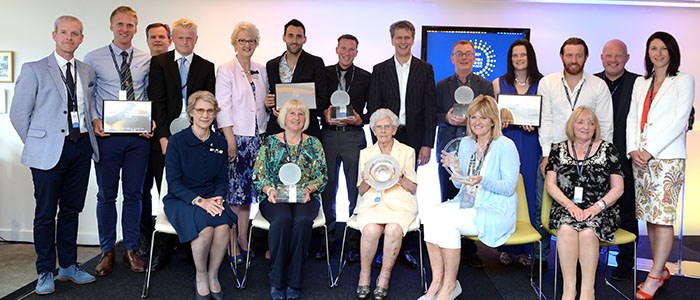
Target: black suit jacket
164,87
420,99
309,68
357,80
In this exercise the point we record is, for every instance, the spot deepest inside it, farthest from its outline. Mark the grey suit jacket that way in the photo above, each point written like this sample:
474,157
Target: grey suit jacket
39,111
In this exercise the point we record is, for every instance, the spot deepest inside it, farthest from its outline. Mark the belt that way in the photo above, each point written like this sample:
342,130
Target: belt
82,135
345,128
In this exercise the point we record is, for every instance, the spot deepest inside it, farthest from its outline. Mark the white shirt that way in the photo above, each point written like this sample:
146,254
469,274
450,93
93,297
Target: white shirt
188,62
402,74
557,107
78,90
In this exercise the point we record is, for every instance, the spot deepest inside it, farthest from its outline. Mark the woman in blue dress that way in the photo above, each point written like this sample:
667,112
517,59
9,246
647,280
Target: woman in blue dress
522,78
195,164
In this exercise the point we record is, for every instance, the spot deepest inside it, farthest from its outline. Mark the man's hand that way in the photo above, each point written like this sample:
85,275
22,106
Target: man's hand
454,120
423,155
356,120
163,144
148,135
97,128
543,164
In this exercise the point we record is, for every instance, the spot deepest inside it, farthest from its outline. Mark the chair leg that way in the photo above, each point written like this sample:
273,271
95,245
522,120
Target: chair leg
233,251
247,260
556,268
146,285
605,275
634,270
328,258
342,261
423,283
538,288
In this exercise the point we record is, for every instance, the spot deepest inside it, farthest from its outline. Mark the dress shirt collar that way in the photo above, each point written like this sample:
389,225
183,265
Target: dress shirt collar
62,61
178,56
118,51
399,65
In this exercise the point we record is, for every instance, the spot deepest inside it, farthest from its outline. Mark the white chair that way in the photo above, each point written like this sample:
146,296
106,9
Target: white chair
260,222
415,226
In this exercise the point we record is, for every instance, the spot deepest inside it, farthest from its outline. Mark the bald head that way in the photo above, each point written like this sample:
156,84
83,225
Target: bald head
614,59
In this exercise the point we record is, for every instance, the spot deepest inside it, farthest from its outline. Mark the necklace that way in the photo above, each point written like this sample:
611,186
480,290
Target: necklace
289,152
204,138
521,83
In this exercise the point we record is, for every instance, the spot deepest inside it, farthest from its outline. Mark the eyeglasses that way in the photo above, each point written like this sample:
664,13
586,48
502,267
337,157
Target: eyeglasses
463,54
201,111
243,42
383,127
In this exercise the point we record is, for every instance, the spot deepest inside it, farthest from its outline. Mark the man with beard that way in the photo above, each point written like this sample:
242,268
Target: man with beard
296,66
562,92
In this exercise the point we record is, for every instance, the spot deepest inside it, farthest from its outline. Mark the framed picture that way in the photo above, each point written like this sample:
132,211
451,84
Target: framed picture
521,109
6,66
121,116
301,91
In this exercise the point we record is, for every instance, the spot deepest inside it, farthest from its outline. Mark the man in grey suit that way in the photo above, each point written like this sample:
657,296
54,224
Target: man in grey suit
50,113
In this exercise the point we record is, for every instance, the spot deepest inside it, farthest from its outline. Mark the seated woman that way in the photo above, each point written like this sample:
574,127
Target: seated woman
290,223
492,217
584,178
392,213
195,163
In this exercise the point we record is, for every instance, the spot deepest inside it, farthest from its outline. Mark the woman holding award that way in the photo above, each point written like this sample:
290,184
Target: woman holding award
522,78
584,178
389,211
486,203
241,88
290,222
195,162
656,129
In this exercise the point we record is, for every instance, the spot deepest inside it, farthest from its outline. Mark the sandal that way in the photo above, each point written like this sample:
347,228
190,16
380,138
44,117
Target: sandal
505,259
643,295
665,279
525,260
380,292
362,291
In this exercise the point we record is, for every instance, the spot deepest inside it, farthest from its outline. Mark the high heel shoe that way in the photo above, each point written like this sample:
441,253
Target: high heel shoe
380,292
643,295
362,291
457,291
665,279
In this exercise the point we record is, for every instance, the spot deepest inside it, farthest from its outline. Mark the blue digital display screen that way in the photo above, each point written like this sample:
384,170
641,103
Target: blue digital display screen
491,48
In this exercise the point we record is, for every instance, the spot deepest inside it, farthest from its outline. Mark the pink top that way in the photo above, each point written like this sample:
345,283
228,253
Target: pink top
235,96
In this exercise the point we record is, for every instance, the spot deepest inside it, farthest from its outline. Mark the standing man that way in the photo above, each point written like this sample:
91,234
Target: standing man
296,66
158,39
342,140
562,92
119,67
50,112
620,83
450,126
406,85
174,76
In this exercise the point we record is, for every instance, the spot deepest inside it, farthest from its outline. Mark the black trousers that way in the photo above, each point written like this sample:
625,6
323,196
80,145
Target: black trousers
288,238
628,221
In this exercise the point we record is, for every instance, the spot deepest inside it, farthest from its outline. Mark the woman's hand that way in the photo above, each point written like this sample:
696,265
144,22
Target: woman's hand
528,128
591,211
576,212
447,159
271,194
214,206
232,150
307,194
470,180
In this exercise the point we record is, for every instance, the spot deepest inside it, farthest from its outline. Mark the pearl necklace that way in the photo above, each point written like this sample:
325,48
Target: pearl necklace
524,83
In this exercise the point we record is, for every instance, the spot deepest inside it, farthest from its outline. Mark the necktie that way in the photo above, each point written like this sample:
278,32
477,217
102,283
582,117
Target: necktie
183,81
342,80
125,76
73,131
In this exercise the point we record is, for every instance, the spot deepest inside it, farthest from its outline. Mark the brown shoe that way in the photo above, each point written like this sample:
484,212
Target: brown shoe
133,261
104,267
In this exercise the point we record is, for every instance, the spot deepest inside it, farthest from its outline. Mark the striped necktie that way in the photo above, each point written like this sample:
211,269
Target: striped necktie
125,75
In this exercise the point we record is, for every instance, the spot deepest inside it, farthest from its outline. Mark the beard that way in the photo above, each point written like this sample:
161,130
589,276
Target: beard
573,68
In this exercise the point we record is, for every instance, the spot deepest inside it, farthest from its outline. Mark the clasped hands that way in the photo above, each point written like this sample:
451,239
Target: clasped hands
583,214
213,206
640,157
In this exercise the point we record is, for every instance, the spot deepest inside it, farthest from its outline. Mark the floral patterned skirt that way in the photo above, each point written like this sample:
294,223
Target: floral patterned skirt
241,190
657,187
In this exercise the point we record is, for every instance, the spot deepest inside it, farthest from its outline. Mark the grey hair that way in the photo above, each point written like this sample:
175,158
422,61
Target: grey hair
67,18
381,114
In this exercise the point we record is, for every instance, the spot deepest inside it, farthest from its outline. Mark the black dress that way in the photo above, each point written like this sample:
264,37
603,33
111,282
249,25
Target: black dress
595,181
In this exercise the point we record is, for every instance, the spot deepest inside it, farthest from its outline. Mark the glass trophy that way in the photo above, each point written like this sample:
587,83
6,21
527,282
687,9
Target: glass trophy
178,125
463,96
462,171
290,191
341,109
382,172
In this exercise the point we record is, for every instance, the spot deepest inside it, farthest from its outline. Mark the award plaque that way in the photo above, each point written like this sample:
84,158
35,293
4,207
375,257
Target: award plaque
291,191
178,125
382,171
121,116
522,109
341,109
305,92
463,96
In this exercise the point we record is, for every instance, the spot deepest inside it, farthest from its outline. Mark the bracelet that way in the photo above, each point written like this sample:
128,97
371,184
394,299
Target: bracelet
602,205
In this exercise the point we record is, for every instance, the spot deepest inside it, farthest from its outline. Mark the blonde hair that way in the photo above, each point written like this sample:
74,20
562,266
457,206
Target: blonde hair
290,105
124,10
580,112
184,23
246,27
486,105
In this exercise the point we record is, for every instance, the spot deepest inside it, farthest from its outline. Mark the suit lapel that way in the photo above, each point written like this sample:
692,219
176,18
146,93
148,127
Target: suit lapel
393,79
453,85
194,69
54,71
172,68
665,86
299,68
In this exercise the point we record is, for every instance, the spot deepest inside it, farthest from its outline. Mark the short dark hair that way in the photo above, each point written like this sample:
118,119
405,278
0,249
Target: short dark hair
403,24
349,37
533,72
674,54
295,23
156,25
574,41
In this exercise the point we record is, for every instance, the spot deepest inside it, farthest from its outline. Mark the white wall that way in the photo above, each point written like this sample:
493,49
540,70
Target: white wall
27,25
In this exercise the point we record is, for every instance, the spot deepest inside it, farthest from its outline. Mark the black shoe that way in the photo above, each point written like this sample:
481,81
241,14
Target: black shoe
144,249
353,256
534,268
159,262
621,273
408,259
473,261
378,260
321,253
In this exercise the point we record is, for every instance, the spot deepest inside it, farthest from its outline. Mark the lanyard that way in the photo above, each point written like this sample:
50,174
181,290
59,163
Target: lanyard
573,106
580,164
289,153
347,85
71,94
114,59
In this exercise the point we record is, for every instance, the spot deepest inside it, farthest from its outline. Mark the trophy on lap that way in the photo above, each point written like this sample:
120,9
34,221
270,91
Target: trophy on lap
381,172
291,191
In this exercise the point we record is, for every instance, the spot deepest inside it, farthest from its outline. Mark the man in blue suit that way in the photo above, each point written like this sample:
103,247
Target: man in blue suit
50,112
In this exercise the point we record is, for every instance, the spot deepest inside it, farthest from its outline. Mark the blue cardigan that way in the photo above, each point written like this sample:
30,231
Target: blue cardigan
496,203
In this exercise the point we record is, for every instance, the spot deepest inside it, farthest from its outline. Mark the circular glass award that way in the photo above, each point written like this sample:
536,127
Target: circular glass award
464,95
290,173
382,171
451,161
340,98
178,125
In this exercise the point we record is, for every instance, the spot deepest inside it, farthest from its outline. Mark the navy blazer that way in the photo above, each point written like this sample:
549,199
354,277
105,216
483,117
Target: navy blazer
39,111
420,99
165,88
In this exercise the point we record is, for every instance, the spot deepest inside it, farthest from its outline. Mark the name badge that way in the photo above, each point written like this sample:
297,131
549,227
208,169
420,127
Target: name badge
122,94
578,195
75,121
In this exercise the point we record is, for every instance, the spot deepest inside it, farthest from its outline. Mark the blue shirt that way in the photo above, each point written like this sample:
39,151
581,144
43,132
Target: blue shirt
107,81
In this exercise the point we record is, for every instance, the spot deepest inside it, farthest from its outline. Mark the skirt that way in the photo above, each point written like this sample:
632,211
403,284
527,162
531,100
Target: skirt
241,190
657,188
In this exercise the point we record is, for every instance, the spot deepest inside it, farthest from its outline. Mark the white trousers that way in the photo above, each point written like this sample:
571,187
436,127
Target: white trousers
446,223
